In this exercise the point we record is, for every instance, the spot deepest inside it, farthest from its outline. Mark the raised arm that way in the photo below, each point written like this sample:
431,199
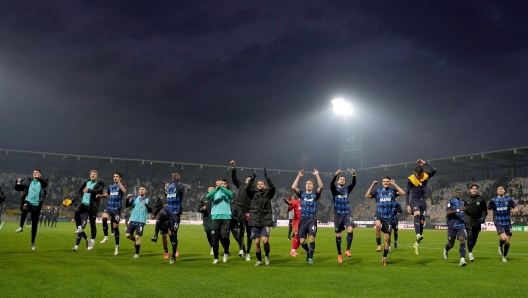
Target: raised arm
399,189
250,189
432,170
368,194
234,177
271,186
129,201
319,182
210,195
333,187
353,183
296,182
227,192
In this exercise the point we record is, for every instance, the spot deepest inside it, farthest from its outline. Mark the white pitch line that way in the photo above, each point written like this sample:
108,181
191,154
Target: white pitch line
479,251
2,225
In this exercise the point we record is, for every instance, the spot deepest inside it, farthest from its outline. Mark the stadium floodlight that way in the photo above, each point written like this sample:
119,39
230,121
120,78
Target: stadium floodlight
341,107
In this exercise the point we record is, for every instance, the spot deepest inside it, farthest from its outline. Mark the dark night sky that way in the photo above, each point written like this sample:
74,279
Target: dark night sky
210,81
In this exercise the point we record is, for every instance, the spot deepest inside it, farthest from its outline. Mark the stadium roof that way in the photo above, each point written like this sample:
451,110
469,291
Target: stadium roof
486,161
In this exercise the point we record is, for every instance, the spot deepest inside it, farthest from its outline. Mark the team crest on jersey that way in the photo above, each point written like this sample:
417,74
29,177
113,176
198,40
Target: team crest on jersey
478,203
176,226
314,228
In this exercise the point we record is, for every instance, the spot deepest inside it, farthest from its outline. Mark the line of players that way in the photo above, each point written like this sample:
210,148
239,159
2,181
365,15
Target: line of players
250,207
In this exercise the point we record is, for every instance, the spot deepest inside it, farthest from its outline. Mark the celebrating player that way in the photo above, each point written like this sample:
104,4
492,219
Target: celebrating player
474,215
112,211
260,214
308,224
455,226
502,207
385,202
342,217
33,194
415,195
141,206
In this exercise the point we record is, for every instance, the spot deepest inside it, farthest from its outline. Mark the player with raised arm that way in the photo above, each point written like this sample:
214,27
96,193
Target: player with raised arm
342,217
385,205
141,206
260,214
415,195
220,197
112,211
33,194
308,224
455,226
502,207
239,211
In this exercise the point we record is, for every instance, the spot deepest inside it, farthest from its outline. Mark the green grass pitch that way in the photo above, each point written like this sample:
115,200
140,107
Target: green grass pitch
53,270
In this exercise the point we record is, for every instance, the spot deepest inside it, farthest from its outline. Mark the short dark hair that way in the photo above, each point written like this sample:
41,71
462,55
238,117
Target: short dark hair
474,185
387,177
118,174
261,180
224,180
310,181
457,189
418,170
500,185
143,186
37,170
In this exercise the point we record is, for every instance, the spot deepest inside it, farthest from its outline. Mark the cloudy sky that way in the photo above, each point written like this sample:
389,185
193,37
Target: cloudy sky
210,81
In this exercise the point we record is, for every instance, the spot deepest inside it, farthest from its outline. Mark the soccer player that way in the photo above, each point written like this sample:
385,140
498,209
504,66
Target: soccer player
294,205
239,210
502,207
394,223
260,214
112,211
47,216
141,206
204,207
54,217
173,207
157,213
385,202
220,198
290,222
89,204
308,224
342,217
415,196
474,215
455,226
33,194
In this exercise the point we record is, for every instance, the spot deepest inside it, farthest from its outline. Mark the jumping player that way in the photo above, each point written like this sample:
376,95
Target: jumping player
415,196
112,211
141,206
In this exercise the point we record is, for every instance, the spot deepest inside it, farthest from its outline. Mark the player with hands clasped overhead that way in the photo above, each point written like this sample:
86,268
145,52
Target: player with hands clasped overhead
415,195
342,217
385,204
308,224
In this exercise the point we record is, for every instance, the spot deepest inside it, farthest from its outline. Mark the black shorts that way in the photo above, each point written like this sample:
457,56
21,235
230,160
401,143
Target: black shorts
454,232
386,225
257,232
307,227
220,228
418,205
136,227
174,222
342,221
115,215
504,229
394,224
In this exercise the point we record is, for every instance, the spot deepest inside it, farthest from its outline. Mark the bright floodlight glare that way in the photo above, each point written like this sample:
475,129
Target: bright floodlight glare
341,107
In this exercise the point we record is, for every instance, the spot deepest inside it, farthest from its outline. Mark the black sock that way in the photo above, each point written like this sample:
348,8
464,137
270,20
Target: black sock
385,252
378,241
417,224
338,245
421,228
157,228
105,226
137,249
305,246
395,237
259,256
506,248
116,235
463,250
350,237
78,239
447,247
174,242
266,249
312,249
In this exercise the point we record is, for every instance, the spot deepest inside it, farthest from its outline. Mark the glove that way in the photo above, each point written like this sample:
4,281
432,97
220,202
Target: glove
66,202
482,220
265,173
288,201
